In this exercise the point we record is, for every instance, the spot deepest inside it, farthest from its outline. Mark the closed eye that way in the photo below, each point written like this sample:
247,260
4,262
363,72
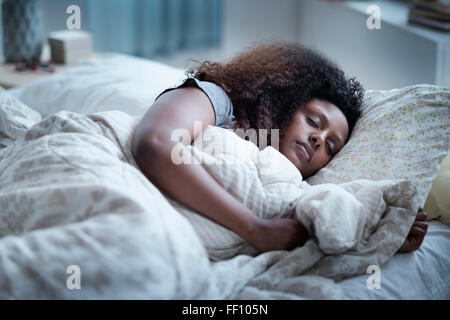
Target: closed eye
335,150
329,149
314,124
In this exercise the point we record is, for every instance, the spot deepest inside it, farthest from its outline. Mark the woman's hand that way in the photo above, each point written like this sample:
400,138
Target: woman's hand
278,234
416,233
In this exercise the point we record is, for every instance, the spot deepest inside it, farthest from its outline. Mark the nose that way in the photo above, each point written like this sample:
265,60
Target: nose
317,140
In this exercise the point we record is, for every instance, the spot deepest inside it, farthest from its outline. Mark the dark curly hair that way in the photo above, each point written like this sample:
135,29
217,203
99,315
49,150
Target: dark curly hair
270,82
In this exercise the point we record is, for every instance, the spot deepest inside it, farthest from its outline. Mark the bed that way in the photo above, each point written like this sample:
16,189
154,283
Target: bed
129,85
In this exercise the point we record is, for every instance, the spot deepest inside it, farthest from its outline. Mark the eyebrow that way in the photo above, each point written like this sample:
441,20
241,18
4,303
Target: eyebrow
325,119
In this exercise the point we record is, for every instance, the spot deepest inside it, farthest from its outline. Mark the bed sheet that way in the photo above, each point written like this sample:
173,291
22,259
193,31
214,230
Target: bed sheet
112,82
15,91
423,274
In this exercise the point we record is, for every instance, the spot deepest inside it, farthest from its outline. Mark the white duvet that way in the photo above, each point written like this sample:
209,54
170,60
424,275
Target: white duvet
71,195
339,217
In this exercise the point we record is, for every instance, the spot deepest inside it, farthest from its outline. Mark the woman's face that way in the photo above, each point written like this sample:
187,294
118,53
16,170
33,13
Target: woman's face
316,133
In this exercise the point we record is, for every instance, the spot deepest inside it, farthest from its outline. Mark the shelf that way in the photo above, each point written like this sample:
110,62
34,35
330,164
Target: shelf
396,14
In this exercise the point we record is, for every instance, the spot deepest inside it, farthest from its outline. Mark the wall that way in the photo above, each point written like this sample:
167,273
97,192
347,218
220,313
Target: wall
249,21
55,15
379,59
245,22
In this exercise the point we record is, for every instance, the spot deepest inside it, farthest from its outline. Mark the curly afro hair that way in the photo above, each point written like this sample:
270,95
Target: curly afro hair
270,82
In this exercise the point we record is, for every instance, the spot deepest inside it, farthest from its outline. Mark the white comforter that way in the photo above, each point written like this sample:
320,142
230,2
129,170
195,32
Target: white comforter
71,195
339,217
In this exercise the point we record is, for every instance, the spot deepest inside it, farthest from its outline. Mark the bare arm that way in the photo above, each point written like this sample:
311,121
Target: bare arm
191,184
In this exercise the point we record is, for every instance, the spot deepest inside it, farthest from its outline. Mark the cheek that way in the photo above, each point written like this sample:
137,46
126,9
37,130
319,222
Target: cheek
302,127
298,126
321,159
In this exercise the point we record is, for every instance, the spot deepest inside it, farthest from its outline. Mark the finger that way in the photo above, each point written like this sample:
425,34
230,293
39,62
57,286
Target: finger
416,232
404,247
416,241
421,215
413,244
421,224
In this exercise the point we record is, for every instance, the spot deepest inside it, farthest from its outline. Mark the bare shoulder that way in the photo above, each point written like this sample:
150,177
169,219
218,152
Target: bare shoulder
182,104
188,95
175,109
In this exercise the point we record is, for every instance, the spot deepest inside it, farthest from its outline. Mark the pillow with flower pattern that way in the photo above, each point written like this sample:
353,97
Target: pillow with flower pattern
401,134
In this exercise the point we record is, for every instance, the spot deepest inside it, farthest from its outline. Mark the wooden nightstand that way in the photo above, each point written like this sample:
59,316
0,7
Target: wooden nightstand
10,78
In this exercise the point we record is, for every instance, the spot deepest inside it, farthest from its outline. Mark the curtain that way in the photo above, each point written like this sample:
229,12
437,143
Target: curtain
148,28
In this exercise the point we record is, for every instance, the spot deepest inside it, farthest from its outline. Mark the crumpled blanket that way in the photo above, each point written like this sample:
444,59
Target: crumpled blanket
72,195
339,217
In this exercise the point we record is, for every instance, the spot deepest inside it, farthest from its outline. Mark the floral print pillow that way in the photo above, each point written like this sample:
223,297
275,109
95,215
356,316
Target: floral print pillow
402,134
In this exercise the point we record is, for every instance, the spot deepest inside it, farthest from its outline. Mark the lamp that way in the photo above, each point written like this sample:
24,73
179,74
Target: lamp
22,30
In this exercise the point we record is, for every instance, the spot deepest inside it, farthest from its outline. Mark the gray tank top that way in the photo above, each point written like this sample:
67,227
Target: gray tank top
223,108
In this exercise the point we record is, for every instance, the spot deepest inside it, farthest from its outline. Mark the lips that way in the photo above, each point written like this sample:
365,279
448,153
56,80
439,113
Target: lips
304,150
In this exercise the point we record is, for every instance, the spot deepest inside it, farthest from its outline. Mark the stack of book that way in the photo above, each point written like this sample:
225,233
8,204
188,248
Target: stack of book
431,13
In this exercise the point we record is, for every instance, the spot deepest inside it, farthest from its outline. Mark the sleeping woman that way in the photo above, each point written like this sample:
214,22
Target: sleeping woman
279,85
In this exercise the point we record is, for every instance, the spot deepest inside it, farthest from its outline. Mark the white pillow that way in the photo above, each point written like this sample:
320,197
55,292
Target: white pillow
402,134
113,82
